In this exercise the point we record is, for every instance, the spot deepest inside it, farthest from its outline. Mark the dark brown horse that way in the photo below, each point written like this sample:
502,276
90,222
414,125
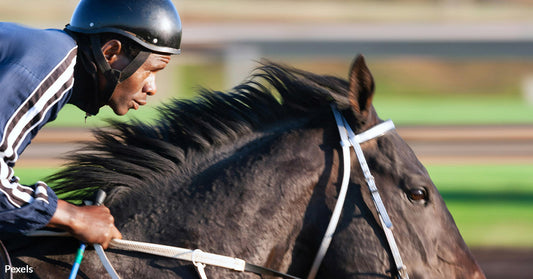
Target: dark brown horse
255,173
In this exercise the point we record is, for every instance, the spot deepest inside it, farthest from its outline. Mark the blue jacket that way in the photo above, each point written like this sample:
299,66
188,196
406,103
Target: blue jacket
36,79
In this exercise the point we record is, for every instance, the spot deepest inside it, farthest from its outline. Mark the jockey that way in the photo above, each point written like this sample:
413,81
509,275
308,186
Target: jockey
109,54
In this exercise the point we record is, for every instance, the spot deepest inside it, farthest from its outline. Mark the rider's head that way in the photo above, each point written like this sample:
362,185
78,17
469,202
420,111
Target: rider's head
126,38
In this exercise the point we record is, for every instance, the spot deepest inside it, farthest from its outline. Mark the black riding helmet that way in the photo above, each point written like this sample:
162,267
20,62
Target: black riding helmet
153,24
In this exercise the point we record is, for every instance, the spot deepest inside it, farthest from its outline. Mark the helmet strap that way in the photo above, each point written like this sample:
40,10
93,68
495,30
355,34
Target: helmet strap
111,75
114,76
134,65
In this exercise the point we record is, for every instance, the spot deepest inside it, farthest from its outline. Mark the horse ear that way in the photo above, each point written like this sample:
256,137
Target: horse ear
361,86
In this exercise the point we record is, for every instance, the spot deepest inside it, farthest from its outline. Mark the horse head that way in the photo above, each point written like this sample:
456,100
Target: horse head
428,239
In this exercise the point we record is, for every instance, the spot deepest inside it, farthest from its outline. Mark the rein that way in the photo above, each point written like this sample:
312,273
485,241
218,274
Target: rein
200,259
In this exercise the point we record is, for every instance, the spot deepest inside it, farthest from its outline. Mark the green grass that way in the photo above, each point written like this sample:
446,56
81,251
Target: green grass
458,110
492,204
494,223
28,176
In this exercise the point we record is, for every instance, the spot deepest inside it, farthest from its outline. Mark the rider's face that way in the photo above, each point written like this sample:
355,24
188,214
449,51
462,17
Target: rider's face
132,92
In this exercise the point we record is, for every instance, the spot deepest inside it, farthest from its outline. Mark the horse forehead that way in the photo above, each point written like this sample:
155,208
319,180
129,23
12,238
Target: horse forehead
398,155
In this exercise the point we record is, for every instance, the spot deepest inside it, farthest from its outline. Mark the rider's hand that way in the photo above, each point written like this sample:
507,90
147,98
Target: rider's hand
90,224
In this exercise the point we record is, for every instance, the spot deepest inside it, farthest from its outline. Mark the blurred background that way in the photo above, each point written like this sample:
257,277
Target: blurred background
456,76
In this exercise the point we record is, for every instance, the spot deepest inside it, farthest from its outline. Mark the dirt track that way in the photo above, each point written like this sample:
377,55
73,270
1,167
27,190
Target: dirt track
505,263
487,144
443,144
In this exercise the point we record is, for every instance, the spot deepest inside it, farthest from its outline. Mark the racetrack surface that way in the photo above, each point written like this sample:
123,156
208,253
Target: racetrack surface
505,263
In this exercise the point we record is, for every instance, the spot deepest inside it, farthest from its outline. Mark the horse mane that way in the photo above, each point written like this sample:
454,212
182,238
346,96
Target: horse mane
135,156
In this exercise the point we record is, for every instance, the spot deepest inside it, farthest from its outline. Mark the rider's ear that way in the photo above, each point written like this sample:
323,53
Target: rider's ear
111,49
361,87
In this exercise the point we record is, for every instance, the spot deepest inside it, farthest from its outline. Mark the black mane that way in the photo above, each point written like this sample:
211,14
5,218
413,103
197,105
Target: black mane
138,155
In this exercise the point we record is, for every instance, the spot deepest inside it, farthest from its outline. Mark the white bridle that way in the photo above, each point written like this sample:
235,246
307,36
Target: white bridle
349,138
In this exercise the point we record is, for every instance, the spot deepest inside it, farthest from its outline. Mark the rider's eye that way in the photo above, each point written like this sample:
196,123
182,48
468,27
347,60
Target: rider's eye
417,195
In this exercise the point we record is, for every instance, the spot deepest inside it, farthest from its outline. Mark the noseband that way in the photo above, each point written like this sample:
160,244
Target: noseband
349,138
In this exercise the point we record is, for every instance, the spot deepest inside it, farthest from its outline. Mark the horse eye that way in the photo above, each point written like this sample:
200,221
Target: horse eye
418,194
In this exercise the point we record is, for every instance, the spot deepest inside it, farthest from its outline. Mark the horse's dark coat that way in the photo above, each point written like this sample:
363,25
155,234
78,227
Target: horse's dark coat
254,173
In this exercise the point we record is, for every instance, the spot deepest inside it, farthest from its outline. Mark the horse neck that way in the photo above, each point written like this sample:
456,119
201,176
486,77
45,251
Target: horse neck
255,191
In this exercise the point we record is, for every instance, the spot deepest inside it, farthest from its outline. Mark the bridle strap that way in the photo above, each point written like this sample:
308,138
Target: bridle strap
349,138
263,271
335,216
384,218
355,141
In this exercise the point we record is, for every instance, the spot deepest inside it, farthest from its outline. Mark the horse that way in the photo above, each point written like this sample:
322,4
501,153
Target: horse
254,172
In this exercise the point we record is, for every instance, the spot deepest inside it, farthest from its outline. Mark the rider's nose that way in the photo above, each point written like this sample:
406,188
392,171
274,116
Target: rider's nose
150,87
